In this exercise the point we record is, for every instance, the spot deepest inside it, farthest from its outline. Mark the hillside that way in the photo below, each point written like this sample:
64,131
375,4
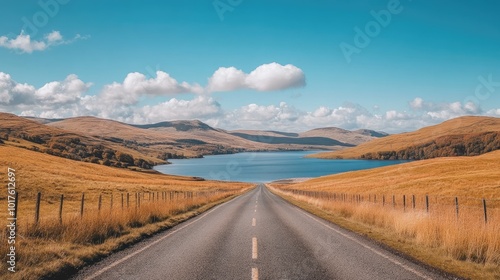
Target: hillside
176,139
21,132
328,136
474,177
193,138
62,247
119,144
464,136
353,138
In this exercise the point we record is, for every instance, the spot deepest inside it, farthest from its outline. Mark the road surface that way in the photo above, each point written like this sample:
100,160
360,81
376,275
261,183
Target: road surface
256,236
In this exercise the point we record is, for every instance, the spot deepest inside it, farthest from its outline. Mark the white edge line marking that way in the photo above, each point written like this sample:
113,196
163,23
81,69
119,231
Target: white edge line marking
255,273
254,248
117,262
307,214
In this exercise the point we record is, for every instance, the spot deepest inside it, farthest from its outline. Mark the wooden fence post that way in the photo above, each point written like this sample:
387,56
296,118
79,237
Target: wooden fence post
111,202
81,207
100,202
383,200
404,203
37,207
485,212
413,201
456,205
122,201
128,199
427,203
61,208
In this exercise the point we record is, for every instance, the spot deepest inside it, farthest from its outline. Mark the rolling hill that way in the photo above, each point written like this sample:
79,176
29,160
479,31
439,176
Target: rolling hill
193,138
25,133
119,144
328,136
475,177
464,136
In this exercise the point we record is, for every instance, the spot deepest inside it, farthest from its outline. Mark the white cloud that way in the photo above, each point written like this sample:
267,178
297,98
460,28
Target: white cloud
13,93
126,102
25,44
226,79
53,37
137,84
274,76
201,107
59,93
493,112
417,103
266,77
63,97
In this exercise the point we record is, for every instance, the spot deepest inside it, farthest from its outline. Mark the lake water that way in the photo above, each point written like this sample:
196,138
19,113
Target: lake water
265,166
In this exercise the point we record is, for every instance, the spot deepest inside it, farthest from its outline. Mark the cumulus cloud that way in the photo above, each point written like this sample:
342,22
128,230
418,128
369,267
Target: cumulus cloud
445,111
25,44
201,107
226,79
259,116
129,101
13,93
50,95
266,77
137,84
62,92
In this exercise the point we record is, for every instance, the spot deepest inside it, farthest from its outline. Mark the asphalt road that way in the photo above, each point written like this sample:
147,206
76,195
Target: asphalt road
256,236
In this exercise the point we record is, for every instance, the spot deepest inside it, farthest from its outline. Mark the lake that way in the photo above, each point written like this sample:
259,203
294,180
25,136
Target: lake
265,166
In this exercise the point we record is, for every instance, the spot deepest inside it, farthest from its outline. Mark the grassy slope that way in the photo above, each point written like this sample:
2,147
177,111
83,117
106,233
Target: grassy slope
458,126
173,137
438,241
15,126
458,176
53,176
46,173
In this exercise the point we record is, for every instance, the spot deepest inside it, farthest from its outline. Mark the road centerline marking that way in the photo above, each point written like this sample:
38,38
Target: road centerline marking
253,222
255,273
254,248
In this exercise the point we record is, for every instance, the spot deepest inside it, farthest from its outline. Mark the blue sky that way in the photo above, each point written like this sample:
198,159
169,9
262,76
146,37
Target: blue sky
252,64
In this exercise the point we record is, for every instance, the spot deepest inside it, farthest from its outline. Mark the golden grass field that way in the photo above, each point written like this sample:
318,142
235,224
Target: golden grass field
463,245
459,126
52,246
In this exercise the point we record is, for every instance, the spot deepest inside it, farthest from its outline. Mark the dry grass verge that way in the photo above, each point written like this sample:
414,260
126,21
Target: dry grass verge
465,246
53,249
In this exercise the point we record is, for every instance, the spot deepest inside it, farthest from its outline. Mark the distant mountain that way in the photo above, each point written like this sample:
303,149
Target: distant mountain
329,136
378,134
179,125
123,145
353,138
464,136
